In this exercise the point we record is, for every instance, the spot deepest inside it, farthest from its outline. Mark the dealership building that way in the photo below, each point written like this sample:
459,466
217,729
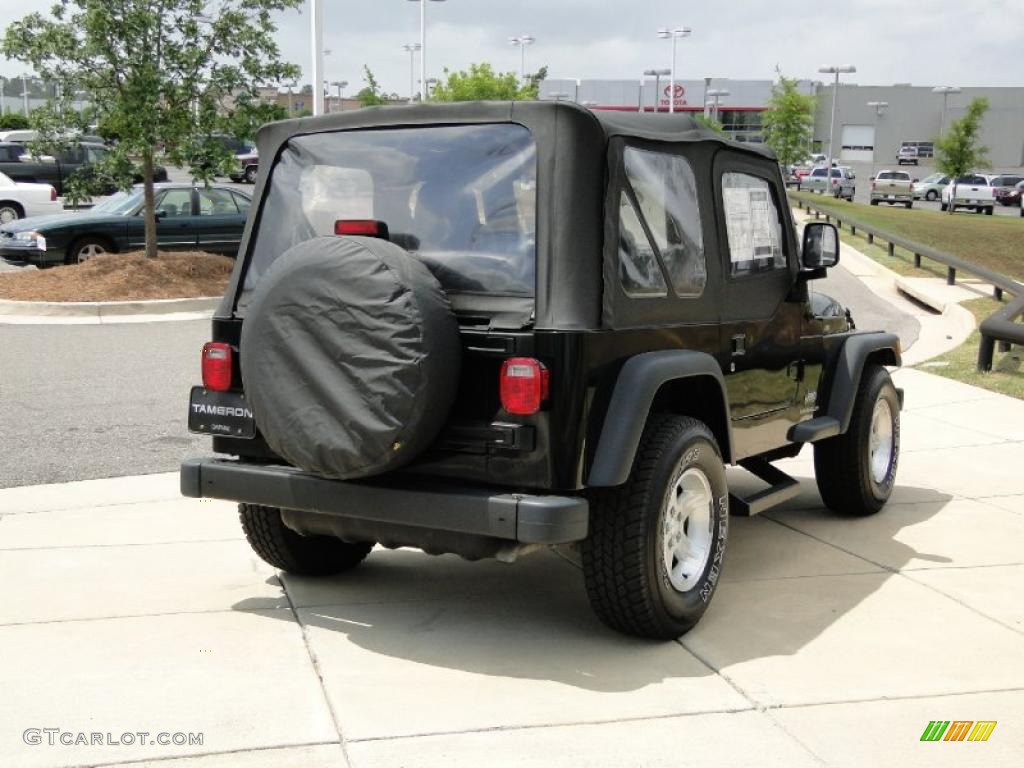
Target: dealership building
872,121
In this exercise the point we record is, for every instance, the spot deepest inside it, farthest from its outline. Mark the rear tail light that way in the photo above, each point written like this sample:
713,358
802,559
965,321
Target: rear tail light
217,366
364,227
53,194
525,384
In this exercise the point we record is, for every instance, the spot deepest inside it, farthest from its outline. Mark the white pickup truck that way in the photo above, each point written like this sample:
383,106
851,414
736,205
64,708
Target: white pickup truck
970,191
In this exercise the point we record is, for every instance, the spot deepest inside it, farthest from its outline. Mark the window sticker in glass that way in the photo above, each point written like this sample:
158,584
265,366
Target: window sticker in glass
666,190
752,225
639,271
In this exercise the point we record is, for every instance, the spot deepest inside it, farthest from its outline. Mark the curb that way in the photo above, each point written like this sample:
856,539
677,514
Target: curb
26,312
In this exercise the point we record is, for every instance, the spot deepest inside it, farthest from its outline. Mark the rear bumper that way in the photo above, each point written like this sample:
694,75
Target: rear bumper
527,519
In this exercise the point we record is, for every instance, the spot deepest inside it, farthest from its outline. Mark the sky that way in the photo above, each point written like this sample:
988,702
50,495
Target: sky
954,42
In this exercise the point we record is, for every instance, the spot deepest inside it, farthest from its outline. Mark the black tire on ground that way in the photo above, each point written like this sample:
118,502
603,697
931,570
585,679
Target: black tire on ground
909,204
250,174
10,211
990,210
943,207
874,202
280,546
931,195
87,247
852,477
630,582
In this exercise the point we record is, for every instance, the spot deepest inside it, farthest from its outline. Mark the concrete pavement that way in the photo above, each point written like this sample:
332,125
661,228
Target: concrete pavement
831,642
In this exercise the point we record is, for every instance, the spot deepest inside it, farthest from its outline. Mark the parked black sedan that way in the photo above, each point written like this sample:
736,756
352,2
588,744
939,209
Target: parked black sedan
189,218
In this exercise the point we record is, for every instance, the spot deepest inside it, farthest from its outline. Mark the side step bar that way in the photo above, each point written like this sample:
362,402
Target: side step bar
781,488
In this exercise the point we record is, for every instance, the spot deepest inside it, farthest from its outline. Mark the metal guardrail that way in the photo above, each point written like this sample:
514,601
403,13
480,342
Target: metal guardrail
1001,326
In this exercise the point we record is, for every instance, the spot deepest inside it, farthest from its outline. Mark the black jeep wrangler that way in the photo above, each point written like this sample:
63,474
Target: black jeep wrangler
486,328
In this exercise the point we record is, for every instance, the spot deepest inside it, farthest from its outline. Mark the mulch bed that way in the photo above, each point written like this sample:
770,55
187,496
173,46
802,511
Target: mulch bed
123,277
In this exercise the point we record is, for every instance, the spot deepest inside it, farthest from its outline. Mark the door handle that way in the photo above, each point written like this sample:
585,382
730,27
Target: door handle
739,344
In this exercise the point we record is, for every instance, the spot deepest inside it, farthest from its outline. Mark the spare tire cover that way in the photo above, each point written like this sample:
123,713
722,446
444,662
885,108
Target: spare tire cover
350,356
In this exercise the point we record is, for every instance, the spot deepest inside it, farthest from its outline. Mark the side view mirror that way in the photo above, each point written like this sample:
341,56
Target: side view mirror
871,178
820,246
916,180
160,214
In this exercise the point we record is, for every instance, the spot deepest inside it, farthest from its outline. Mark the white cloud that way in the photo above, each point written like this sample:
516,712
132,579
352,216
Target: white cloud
943,41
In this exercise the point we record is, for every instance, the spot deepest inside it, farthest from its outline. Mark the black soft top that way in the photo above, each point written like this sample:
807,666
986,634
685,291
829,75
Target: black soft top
572,151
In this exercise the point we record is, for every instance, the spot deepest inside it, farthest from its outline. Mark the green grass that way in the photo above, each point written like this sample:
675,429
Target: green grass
988,241
1006,376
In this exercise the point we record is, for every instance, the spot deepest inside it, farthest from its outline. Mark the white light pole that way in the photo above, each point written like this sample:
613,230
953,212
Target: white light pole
715,94
411,49
656,74
423,45
945,90
340,85
24,92
837,71
674,34
522,41
316,32
3,99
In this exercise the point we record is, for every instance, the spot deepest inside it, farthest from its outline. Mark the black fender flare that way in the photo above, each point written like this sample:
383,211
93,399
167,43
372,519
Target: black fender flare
849,367
637,384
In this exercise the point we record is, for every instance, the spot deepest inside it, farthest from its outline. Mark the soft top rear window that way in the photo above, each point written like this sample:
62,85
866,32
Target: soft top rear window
461,198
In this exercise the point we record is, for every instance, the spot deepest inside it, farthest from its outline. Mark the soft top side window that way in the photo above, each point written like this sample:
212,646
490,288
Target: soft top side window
660,235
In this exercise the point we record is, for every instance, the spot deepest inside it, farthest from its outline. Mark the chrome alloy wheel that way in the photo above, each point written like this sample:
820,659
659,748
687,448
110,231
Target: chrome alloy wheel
686,531
90,250
881,445
8,213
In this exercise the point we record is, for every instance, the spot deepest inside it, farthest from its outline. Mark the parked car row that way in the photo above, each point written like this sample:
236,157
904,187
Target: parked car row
189,217
17,162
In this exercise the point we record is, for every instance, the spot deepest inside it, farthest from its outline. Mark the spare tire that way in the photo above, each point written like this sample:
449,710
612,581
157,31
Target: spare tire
350,356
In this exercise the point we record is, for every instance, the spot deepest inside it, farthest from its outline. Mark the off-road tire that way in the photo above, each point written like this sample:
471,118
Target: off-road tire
281,547
990,210
874,202
623,563
909,205
842,464
943,207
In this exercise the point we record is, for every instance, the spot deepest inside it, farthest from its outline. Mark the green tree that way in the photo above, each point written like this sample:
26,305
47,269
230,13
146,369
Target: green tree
13,121
481,83
958,152
789,121
532,90
158,73
370,96
710,122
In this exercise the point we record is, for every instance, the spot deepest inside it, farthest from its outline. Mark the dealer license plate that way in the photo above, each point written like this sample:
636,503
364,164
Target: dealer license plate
220,413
